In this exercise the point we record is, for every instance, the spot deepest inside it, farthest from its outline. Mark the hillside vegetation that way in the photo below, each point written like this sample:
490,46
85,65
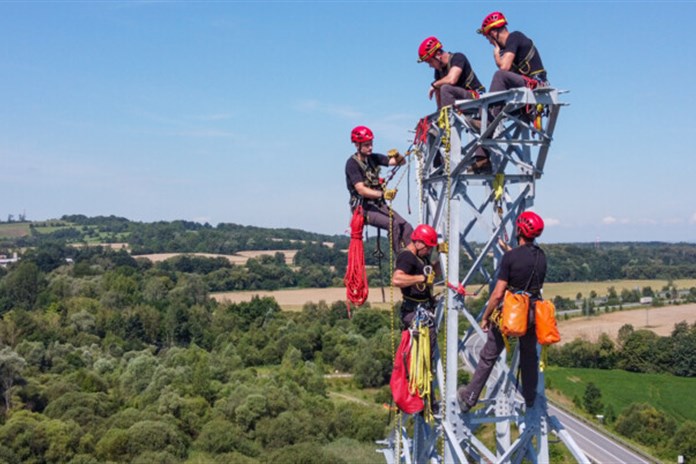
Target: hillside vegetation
567,262
105,358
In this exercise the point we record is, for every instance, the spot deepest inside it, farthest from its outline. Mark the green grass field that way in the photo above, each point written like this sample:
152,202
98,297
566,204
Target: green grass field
667,393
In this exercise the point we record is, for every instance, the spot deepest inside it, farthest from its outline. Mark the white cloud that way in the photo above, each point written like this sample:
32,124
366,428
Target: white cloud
611,220
552,222
333,110
692,219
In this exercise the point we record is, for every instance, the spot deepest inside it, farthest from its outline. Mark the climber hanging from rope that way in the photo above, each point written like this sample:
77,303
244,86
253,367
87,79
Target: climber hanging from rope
415,275
369,191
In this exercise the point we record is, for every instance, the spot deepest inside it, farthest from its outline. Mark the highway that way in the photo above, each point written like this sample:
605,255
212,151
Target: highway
597,447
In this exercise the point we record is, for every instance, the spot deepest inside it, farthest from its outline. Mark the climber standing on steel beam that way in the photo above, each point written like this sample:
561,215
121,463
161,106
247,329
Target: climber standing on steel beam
522,269
454,77
518,60
367,190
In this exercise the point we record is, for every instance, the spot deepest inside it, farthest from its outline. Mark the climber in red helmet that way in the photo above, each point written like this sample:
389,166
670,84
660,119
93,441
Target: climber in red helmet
454,77
522,269
518,60
366,189
415,275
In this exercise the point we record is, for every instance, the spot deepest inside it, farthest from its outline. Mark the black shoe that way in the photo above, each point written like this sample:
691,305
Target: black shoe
465,407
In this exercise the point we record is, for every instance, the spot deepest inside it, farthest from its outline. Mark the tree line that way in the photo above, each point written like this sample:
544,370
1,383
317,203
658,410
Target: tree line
567,262
634,351
109,359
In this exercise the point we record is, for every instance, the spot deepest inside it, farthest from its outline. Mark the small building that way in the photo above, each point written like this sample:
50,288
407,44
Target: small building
646,300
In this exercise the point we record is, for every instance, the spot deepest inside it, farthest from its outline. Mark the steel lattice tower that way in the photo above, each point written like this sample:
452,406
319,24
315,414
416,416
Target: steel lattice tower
460,203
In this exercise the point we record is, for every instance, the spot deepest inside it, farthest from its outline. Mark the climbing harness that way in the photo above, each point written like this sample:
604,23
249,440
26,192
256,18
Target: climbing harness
524,66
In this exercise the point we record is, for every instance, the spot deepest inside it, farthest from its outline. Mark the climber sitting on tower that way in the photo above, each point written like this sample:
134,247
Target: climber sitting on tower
367,189
454,76
517,58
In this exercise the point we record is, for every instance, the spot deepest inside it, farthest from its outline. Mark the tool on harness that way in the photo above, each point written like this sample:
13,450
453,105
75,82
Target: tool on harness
429,274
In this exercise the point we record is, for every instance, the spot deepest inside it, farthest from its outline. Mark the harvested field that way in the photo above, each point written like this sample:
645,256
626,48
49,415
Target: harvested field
659,320
240,258
14,229
113,246
294,299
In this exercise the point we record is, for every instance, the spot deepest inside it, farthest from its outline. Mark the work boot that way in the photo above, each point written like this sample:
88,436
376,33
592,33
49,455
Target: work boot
480,165
474,123
463,405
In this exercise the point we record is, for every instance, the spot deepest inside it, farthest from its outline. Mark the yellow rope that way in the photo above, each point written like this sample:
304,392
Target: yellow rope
499,186
420,374
444,124
398,423
544,360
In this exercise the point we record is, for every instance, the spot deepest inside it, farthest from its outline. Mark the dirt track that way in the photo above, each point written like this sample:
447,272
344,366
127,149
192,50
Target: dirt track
659,320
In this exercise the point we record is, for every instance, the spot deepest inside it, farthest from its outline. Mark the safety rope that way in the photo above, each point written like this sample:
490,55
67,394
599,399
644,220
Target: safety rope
398,423
356,275
544,358
444,124
498,191
420,374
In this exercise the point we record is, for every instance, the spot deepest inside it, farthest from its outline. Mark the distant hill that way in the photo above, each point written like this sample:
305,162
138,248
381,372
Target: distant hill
567,262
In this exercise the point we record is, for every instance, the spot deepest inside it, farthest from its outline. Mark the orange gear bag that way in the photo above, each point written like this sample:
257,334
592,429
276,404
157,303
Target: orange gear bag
515,314
545,320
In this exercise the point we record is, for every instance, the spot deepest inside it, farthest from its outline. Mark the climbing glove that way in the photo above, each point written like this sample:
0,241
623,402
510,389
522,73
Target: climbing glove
389,194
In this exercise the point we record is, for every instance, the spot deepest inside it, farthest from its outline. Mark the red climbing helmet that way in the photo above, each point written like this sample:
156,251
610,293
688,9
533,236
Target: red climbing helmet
530,225
492,21
425,234
361,134
428,48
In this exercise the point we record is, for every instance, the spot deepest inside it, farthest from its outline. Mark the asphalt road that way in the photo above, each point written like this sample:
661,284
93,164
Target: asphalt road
596,446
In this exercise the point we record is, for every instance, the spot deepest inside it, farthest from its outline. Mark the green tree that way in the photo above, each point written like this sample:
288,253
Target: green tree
222,436
592,399
20,288
645,424
684,441
11,367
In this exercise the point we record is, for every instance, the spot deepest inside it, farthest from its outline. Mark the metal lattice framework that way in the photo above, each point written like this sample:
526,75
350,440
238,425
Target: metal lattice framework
515,129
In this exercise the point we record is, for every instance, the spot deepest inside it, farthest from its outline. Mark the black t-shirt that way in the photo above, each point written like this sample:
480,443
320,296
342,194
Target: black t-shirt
460,60
355,174
519,44
517,266
411,264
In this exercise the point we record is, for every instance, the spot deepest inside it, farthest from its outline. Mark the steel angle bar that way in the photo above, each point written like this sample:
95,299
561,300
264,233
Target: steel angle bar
567,440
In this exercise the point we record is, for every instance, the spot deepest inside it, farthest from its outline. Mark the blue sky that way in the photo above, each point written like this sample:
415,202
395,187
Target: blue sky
241,111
